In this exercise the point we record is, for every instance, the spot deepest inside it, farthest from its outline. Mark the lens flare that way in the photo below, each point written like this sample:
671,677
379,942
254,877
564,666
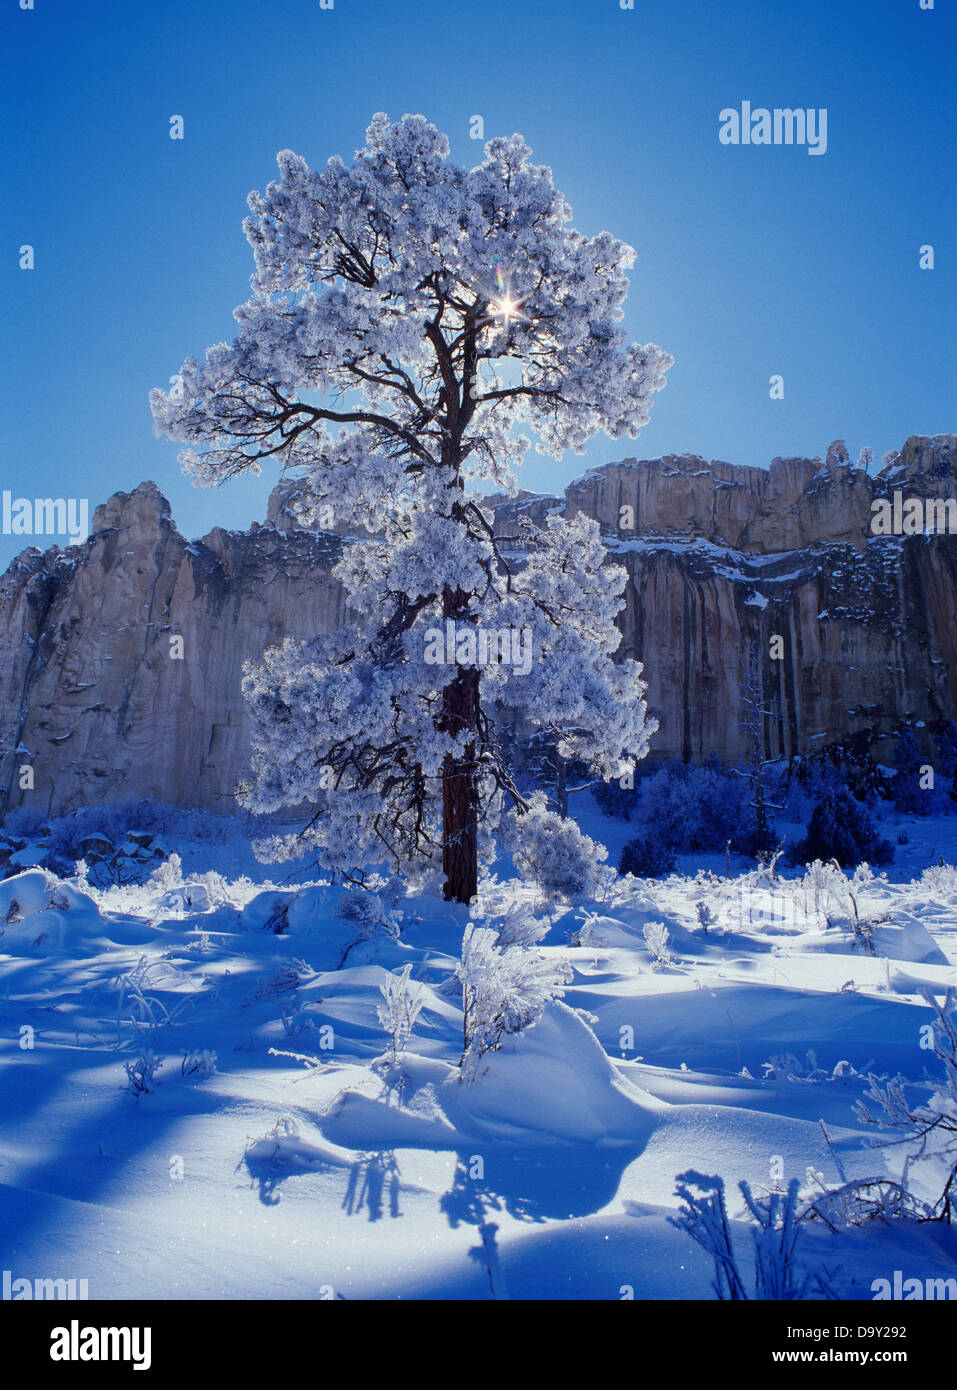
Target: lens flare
506,306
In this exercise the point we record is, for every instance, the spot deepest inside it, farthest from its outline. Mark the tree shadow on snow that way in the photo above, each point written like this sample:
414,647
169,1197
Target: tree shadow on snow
369,1180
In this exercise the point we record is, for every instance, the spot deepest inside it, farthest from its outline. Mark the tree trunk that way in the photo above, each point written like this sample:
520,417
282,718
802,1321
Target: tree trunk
460,710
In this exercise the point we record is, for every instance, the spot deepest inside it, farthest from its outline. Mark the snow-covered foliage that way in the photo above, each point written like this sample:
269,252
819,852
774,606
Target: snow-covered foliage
368,914
201,1063
775,1236
704,1217
141,1073
693,808
656,939
939,880
351,265
932,1126
647,856
554,854
519,927
408,318
859,1202
842,828
402,1003
504,990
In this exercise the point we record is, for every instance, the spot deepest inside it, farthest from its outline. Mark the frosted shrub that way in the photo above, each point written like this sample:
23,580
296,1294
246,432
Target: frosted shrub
932,1127
647,856
520,928
140,1075
859,1202
400,1009
504,990
862,878
168,874
369,915
692,809
939,880
704,1217
214,884
822,888
553,854
198,1064
843,829
775,1237
656,939
826,890
145,1012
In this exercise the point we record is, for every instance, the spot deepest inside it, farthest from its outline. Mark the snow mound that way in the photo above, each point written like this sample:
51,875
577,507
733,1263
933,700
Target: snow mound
39,912
353,927
908,940
554,1082
26,893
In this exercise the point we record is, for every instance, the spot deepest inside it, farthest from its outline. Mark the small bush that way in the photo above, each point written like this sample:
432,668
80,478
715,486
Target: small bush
553,854
141,1074
132,816
656,939
615,800
694,809
504,990
201,1063
647,857
703,1215
23,823
947,762
931,1127
842,828
400,1009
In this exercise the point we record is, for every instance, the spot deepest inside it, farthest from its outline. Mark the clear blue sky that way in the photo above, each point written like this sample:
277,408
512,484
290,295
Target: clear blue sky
751,260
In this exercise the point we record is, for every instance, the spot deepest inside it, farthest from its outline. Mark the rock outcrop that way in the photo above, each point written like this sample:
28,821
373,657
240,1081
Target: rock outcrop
99,703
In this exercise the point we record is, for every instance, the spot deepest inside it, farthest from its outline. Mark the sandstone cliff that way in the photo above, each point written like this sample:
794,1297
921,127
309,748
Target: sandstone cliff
93,697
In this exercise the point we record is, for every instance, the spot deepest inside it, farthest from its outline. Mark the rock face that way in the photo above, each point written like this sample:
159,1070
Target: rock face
96,700
92,686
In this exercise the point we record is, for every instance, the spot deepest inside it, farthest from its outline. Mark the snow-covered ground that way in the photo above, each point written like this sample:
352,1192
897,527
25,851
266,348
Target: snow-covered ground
299,1162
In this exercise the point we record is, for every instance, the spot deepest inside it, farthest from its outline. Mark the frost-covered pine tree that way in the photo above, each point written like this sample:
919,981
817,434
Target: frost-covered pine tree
408,316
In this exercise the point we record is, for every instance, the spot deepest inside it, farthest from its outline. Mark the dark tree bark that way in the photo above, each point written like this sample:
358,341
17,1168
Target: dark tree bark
460,712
